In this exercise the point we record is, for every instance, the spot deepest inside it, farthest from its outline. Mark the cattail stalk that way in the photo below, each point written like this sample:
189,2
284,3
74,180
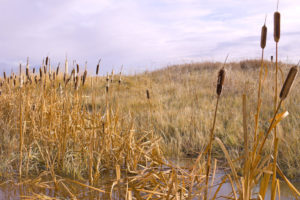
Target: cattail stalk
276,39
220,83
263,41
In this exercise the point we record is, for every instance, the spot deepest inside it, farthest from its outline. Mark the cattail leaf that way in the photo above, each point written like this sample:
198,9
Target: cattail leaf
279,117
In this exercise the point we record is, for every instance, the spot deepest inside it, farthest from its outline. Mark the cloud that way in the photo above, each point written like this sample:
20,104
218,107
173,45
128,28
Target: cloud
141,35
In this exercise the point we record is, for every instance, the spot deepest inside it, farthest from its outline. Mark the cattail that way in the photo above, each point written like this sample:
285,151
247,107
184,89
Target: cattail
4,75
53,75
221,78
76,82
263,39
64,78
97,69
41,73
271,58
77,68
33,70
57,70
14,82
106,88
288,82
84,77
35,79
148,94
276,26
27,72
27,67
47,59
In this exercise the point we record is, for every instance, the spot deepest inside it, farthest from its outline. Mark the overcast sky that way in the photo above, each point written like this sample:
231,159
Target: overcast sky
142,34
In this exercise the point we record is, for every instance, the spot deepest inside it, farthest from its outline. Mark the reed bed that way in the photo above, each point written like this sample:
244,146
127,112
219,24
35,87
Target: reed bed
62,133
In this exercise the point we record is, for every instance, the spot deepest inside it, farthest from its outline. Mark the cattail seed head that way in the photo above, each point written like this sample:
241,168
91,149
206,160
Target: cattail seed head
27,72
276,26
33,70
4,75
148,94
77,68
97,69
57,70
76,82
271,58
221,78
263,39
106,88
288,82
41,73
47,59
84,77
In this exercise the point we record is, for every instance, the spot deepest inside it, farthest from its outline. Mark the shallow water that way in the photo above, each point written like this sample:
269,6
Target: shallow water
9,191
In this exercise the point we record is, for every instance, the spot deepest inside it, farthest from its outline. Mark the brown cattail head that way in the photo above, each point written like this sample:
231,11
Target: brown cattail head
57,70
77,68
4,75
148,94
27,72
276,26
263,39
271,58
221,78
97,69
14,82
76,82
288,82
41,73
84,77
106,88
33,70
47,59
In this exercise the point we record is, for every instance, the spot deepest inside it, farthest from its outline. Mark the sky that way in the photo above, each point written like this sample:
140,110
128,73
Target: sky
142,34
